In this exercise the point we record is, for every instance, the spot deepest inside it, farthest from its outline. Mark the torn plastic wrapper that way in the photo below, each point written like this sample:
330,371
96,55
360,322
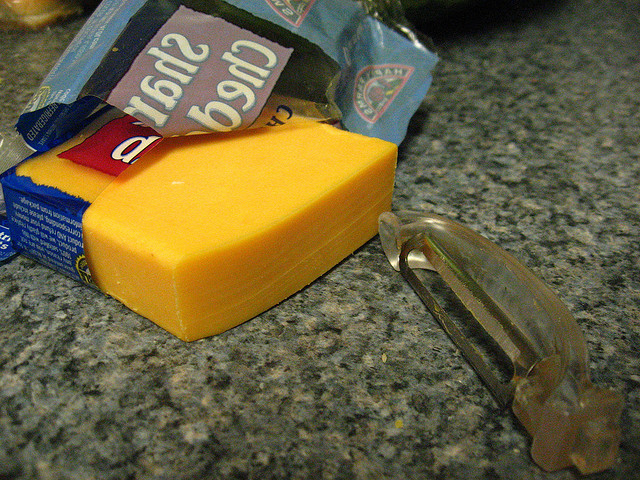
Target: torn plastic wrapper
572,422
193,66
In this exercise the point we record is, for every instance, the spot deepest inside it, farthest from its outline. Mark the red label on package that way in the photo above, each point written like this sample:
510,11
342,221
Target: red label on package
200,74
114,147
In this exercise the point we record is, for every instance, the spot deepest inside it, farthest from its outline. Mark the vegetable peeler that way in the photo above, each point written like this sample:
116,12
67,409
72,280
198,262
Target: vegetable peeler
572,422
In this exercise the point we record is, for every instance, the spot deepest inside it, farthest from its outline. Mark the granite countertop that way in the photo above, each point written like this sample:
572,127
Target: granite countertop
529,135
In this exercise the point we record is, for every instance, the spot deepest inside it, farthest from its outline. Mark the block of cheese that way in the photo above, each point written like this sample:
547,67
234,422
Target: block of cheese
206,232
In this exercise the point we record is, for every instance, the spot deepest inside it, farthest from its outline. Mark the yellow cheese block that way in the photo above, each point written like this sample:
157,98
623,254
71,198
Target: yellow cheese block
206,232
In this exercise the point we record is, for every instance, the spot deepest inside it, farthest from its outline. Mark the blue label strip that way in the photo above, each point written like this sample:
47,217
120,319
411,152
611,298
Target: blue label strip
46,225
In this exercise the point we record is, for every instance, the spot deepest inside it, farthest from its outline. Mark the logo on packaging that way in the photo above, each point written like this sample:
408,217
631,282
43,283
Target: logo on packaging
6,248
293,11
376,87
82,267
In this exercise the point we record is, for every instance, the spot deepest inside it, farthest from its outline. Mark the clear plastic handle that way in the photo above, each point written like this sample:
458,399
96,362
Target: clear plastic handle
572,422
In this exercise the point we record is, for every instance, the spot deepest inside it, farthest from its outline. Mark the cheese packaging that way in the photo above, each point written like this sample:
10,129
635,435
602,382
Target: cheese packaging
184,66
205,232
201,232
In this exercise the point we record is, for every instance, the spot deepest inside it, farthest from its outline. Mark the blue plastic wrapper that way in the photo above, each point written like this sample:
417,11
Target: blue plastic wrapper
374,78
45,224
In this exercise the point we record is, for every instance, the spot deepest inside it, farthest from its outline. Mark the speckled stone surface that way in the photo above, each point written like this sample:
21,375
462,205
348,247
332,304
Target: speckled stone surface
530,135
